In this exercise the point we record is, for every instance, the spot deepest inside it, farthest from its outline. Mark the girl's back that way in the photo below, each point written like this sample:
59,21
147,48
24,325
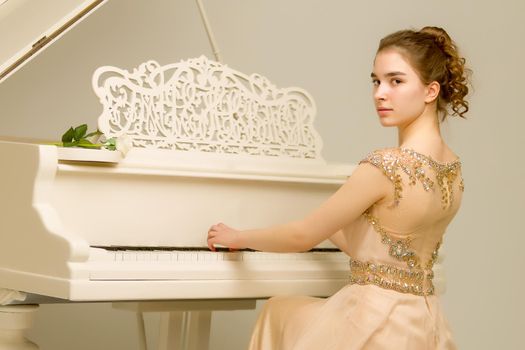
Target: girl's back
390,302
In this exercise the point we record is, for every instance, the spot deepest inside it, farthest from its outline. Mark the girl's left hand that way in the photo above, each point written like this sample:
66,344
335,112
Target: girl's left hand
223,235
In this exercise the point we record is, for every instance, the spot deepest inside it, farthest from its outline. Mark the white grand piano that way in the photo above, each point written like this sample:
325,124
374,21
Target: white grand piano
211,144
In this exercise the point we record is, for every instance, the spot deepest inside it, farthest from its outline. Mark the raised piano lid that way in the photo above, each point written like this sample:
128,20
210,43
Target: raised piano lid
29,27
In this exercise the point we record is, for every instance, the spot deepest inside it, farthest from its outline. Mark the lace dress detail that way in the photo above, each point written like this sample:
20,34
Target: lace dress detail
414,164
416,278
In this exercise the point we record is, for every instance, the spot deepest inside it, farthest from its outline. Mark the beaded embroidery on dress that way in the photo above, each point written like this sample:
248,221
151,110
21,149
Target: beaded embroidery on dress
390,301
413,164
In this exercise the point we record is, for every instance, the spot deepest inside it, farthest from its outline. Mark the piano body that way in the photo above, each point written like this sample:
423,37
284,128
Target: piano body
211,144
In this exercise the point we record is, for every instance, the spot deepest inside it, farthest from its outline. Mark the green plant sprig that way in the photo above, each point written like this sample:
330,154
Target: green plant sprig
78,137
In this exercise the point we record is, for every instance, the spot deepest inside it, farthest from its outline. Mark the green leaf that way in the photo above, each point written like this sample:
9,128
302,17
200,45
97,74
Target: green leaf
68,135
84,142
80,131
94,133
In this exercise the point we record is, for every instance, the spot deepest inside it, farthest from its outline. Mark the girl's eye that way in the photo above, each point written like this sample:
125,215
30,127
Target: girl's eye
396,81
375,82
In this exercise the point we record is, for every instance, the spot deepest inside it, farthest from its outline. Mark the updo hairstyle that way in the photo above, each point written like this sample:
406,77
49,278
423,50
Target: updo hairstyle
435,57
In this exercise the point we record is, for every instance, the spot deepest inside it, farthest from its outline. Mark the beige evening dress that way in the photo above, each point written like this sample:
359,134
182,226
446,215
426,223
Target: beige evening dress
389,302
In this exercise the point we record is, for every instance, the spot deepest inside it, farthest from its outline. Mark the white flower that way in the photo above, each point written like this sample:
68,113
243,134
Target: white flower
124,144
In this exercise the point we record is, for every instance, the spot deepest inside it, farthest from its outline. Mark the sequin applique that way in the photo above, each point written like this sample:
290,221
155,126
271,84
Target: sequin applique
414,279
415,166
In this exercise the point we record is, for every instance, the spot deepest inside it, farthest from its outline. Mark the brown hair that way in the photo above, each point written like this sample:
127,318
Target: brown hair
435,57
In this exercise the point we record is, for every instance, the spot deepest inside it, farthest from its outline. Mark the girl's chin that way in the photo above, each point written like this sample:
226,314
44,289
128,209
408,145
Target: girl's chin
387,122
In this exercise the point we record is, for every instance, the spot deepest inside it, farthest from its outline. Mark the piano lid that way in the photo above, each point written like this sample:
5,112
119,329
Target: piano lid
28,27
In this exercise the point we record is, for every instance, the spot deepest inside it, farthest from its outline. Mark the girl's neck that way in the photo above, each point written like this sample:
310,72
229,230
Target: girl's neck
421,134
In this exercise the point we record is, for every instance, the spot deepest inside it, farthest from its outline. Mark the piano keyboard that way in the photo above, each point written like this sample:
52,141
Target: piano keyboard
204,255
110,263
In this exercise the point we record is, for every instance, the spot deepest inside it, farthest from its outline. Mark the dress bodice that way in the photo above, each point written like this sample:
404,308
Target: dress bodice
395,243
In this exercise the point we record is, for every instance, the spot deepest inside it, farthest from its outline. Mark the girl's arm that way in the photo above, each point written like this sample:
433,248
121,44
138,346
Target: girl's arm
366,186
339,240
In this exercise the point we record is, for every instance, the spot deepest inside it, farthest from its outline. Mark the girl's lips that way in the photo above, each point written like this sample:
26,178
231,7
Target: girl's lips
383,111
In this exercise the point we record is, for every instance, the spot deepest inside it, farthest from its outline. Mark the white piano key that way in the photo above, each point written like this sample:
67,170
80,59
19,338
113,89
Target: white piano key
129,256
208,256
250,257
164,256
232,256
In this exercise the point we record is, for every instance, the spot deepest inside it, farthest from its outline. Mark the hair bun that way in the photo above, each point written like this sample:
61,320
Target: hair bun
440,36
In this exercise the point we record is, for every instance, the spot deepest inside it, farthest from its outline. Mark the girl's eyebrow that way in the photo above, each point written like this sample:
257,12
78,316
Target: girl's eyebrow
390,74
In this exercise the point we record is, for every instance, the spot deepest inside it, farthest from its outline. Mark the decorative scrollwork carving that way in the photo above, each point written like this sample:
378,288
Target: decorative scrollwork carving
203,105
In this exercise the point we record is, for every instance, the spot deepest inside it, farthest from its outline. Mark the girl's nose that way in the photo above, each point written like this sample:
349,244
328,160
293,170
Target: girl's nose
379,93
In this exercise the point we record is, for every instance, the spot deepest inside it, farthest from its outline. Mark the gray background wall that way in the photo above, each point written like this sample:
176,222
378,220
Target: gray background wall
326,47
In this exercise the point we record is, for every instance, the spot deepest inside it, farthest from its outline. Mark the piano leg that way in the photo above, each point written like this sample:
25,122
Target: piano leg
184,324
14,320
196,334
171,330
188,330
143,345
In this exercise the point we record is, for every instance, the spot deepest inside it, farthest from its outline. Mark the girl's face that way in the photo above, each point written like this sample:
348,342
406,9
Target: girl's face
399,95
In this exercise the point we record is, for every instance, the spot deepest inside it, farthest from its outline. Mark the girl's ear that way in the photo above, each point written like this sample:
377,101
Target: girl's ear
432,91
